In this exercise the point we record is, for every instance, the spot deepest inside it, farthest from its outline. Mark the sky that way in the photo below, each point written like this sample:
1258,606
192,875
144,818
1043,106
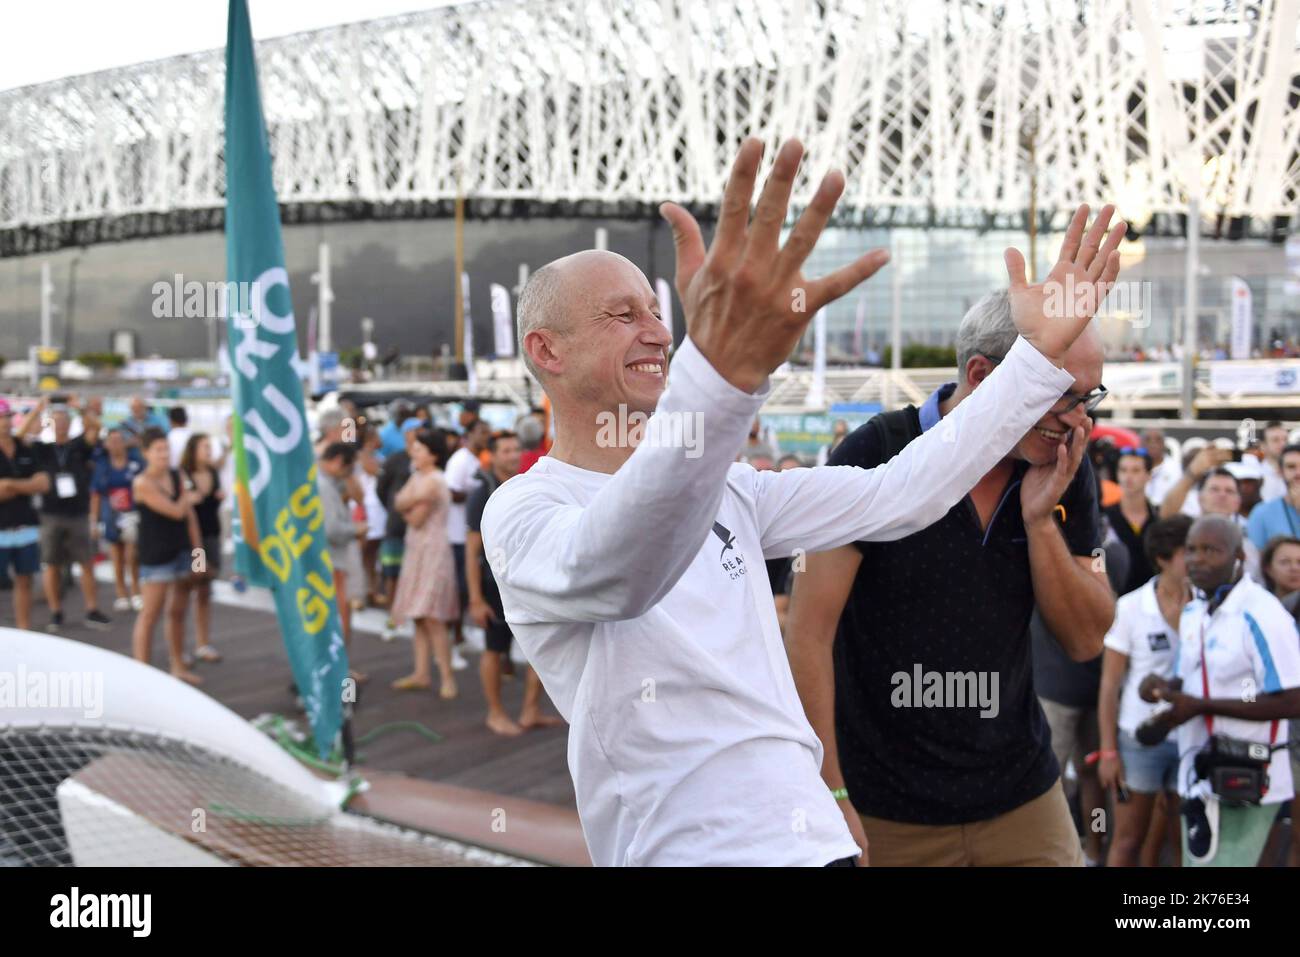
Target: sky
49,39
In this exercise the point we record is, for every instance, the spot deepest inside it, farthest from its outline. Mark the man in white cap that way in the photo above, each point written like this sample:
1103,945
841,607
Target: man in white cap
1249,473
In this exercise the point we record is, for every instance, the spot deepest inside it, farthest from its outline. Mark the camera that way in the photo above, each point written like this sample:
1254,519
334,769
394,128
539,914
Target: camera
1237,770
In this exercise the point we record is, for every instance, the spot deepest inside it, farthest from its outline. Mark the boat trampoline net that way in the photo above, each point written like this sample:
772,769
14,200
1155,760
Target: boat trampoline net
103,796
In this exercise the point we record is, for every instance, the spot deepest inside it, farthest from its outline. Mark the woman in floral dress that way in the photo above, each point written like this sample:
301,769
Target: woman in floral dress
426,588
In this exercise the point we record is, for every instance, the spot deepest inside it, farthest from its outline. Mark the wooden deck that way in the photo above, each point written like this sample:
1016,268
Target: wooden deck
254,679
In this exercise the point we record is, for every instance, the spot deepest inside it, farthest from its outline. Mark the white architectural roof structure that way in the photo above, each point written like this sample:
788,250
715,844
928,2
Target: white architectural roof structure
933,110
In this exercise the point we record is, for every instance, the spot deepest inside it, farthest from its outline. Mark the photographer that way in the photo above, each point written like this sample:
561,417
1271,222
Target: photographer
1238,681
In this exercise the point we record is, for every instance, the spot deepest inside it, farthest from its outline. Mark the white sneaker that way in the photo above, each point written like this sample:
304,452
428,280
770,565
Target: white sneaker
458,662
137,602
122,604
475,639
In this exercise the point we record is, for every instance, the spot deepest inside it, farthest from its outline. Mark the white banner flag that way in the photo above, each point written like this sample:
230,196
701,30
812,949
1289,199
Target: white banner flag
1262,377
665,294
470,375
502,327
817,393
1243,319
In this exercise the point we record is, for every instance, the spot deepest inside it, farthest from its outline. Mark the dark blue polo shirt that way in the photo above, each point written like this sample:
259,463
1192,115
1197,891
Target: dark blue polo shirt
948,599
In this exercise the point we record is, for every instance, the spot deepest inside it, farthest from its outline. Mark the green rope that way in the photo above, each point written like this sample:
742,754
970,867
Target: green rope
431,736
278,729
355,787
222,810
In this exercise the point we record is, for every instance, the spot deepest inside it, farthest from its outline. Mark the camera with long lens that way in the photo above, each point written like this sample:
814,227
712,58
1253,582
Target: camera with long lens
1237,770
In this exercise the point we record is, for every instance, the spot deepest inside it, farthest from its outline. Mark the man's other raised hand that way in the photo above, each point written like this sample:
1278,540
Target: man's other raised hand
746,299
1053,313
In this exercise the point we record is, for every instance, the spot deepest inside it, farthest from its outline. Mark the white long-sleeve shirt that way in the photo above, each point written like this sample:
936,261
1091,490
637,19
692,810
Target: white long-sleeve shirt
642,602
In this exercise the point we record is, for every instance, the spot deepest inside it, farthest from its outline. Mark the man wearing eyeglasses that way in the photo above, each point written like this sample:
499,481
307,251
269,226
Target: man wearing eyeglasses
912,657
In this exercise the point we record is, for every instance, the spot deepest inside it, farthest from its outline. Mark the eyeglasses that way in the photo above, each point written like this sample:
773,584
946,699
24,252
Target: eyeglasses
1089,401
1134,450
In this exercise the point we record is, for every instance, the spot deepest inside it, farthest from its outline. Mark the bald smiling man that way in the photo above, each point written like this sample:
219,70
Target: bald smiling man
630,561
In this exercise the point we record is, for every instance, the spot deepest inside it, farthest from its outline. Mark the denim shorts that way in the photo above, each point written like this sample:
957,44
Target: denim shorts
22,559
1149,770
120,527
177,568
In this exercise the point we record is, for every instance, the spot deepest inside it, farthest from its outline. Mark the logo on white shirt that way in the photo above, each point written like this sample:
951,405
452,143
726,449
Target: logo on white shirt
1158,641
735,565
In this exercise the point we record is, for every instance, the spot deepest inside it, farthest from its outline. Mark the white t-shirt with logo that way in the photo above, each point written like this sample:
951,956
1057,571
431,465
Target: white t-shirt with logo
1252,649
642,601
462,476
1141,633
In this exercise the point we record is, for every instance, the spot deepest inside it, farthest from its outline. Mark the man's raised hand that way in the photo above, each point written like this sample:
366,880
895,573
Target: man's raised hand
745,298
1053,313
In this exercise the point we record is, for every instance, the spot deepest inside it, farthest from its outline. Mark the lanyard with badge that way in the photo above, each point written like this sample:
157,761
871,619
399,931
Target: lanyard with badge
65,484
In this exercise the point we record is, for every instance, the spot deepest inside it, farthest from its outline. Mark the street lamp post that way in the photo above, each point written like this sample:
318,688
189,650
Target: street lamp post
47,305
1190,307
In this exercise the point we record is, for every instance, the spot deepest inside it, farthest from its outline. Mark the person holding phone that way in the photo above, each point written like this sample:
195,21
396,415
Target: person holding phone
1142,641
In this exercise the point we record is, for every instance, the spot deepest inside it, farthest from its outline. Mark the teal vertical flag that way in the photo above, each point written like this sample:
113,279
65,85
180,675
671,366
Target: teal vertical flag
281,545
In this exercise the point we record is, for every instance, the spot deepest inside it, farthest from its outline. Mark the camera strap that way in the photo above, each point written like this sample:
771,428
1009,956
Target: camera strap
1205,688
